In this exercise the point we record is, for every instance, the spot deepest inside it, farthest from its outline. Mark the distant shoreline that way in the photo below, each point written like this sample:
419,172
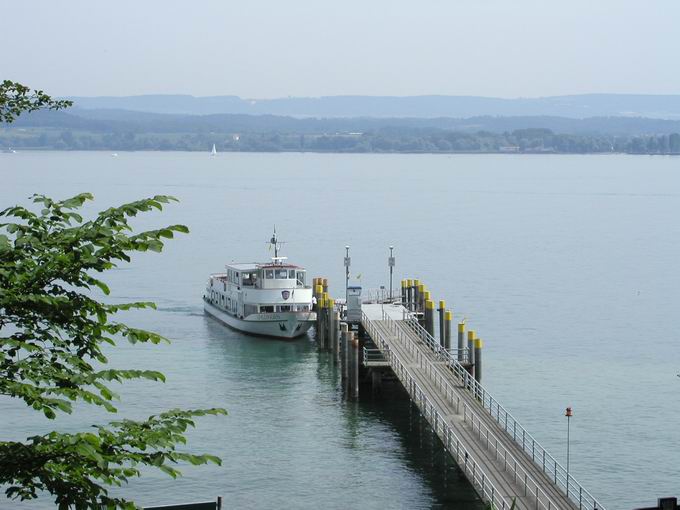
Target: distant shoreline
442,153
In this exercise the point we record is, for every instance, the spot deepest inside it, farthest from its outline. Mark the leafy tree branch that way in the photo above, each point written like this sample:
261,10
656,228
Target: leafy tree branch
16,99
52,338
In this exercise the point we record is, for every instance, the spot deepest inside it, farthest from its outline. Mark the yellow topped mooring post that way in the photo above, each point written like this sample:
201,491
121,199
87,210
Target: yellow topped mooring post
471,351
403,293
421,298
448,317
461,342
319,321
414,296
330,324
318,291
442,312
478,359
429,317
335,345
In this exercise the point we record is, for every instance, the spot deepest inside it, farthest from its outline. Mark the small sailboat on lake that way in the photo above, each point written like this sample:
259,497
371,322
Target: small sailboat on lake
214,151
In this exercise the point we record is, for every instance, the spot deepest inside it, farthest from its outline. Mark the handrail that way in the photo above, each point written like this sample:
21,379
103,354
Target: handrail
508,458
532,448
452,443
373,355
380,295
530,485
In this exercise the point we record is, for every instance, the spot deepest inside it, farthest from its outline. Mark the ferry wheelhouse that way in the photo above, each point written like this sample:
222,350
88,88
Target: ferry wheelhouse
270,299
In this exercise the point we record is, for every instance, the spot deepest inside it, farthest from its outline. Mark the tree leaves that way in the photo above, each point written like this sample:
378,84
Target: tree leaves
78,467
16,99
52,334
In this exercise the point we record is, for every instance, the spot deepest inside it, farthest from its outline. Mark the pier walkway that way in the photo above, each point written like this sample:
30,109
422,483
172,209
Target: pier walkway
499,457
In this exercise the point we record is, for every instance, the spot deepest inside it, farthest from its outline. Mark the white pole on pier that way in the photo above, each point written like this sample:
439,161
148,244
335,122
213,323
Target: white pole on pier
347,264
390,262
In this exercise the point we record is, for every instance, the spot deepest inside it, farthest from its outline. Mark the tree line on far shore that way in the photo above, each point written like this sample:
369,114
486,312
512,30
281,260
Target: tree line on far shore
384,140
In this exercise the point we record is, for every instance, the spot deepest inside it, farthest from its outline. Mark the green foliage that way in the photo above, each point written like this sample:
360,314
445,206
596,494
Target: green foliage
16,99
52,334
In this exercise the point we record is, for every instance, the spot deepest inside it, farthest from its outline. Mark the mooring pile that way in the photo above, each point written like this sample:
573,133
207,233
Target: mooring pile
417,299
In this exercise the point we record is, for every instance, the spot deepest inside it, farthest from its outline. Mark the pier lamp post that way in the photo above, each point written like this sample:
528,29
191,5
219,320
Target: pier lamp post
568,414
347,263
390,263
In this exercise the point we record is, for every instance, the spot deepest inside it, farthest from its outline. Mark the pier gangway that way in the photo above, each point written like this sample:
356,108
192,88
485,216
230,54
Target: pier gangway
500,458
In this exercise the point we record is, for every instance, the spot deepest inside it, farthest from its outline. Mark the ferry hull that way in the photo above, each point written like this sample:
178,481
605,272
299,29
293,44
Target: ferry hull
278,325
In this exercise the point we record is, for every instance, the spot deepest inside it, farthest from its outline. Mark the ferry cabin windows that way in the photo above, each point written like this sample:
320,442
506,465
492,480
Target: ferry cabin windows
301,278
279,274
285,308
249,279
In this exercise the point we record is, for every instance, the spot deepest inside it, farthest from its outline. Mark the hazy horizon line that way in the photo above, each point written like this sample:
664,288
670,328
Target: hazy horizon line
247,98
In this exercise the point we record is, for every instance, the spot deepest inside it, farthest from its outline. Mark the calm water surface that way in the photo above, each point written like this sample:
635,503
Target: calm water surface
565,265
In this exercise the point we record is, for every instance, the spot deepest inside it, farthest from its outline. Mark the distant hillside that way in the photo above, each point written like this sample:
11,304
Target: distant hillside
575,107
140,122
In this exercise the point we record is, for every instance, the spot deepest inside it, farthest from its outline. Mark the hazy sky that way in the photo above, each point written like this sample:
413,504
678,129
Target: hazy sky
275,48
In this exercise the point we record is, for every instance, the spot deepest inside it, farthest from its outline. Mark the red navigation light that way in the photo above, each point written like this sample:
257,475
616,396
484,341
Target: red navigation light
568,413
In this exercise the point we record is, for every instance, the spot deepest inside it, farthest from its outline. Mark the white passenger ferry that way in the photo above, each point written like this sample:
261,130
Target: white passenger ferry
270,299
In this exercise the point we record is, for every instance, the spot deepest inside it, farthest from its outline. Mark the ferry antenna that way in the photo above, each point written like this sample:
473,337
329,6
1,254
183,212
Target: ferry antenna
274,241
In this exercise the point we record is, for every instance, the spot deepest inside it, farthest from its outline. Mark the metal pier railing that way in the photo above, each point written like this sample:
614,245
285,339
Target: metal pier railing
456,448
374,358
575,492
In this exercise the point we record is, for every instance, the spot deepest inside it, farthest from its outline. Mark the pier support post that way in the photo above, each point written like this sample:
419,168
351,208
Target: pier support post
376,381
461,342
442,332
324,285
448,317
478,359
354,366
471,351
403,293
344,350
335,336
421,298
429,317
321,323
330,326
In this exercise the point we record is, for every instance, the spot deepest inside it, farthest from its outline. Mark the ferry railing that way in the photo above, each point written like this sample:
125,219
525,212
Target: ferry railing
532,448
465,460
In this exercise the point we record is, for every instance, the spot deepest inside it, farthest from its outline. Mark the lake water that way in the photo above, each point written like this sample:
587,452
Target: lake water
566,266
